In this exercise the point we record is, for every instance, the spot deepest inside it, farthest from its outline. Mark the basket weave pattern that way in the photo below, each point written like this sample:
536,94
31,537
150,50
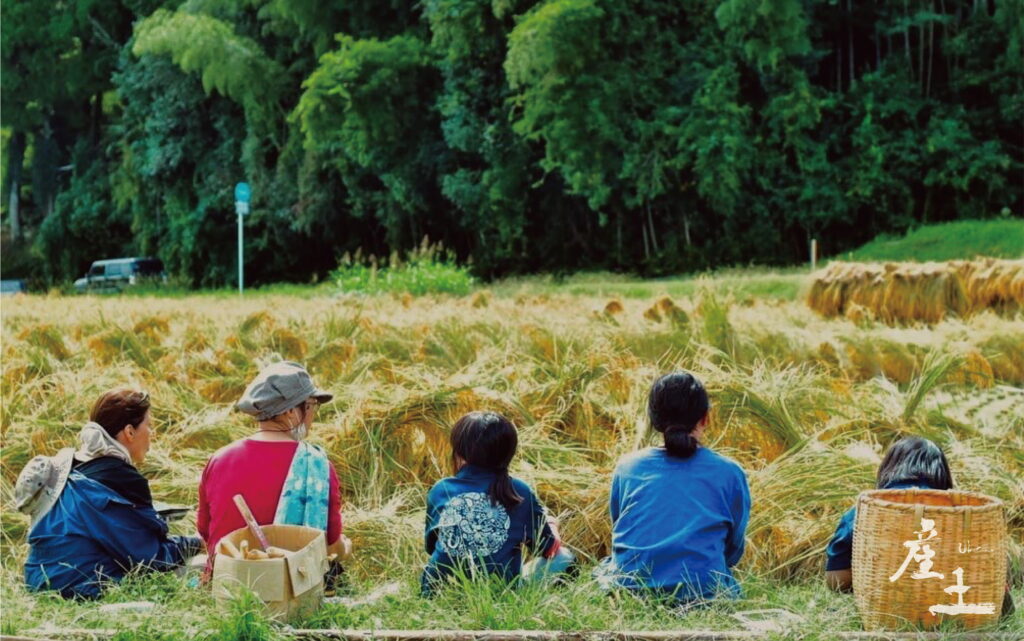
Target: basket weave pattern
945,530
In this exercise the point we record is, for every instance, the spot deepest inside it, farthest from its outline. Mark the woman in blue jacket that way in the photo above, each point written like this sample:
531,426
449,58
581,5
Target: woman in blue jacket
92,513
679,512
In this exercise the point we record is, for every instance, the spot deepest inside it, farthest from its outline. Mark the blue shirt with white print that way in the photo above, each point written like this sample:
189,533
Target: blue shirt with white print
678,524
466,528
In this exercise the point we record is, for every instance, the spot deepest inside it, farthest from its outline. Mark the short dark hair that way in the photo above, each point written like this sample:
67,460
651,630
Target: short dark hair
676,403
915,460
118,408
489,440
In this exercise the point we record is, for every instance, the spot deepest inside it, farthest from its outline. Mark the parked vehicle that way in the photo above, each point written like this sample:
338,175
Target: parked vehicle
115,274
11,287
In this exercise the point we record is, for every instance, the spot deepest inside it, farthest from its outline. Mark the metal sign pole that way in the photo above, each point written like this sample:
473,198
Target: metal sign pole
243,194
240,286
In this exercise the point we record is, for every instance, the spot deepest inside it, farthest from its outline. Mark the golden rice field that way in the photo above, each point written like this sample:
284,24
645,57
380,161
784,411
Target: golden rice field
806,404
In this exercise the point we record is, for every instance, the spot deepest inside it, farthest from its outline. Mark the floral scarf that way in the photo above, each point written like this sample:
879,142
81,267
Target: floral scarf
306,493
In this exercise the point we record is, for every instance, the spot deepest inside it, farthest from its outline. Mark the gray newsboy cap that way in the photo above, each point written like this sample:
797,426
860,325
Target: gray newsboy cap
277,389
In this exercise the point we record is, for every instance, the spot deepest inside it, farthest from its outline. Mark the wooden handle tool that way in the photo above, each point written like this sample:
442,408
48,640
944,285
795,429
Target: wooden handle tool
250,520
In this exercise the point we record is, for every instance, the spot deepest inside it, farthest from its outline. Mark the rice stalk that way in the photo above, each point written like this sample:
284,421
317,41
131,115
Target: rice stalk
935,368
805,404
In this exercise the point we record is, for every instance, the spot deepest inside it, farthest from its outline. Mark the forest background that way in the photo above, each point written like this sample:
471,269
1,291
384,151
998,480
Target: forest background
652,136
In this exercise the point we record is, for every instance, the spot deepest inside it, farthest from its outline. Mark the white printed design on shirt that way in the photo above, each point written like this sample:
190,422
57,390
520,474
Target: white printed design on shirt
471,526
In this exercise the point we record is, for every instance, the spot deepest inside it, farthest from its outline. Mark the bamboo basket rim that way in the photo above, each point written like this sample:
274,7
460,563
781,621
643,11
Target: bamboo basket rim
989,503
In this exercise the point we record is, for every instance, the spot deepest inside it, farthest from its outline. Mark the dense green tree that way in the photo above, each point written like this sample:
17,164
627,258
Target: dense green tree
648,135
56,66
369,106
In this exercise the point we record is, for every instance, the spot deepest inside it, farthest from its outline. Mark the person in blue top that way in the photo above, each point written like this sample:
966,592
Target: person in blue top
679,512
92,515
482,518
912,462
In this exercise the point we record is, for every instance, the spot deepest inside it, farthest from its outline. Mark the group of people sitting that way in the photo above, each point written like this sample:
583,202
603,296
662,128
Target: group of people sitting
679,513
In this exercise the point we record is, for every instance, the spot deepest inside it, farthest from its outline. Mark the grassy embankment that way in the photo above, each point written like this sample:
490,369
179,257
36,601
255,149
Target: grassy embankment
964,239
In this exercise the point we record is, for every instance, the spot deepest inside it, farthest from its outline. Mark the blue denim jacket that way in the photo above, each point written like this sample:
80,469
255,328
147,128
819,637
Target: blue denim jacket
93,535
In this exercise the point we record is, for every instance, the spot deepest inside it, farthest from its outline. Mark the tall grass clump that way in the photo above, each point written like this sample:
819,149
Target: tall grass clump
430,269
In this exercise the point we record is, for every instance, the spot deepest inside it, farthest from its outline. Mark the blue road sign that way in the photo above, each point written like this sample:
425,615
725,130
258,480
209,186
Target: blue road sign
242,193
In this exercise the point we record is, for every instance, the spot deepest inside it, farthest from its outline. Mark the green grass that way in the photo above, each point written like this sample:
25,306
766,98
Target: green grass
743,284
963,239
297,290
416,278
189,613
428,269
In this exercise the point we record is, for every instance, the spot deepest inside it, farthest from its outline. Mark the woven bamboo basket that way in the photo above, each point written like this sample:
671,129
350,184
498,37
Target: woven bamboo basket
958,535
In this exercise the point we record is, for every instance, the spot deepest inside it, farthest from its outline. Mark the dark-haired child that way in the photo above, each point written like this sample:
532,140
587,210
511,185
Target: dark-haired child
679,512
482,518
912,462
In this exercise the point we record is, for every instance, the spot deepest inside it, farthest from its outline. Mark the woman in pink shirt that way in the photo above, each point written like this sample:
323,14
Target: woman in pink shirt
283,479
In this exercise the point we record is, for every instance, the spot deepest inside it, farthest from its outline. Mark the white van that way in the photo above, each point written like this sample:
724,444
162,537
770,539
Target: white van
114,274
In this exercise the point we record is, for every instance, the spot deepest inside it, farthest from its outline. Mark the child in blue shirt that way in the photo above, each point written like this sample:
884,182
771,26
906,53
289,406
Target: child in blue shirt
679,512
912,462
482,518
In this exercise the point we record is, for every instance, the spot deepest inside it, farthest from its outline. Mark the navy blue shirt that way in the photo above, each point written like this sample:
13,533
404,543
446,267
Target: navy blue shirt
839,553
678,524
118,475
464,524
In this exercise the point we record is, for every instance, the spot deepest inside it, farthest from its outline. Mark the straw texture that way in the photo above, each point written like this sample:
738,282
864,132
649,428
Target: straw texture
896,293
946,531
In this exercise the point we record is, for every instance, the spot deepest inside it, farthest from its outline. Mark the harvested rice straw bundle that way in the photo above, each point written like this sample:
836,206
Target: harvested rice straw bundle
153,328
581,511
993,284
614,306
752,443
793,526
481,299
926,292
827,356
827,294
859,315
834,287
675,314
47,337
975,370
609,311
893,292
864,362
870,286
652,314
1005,354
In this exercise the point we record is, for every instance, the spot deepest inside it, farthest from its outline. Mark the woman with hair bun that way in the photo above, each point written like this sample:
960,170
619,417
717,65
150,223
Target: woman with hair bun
679,512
